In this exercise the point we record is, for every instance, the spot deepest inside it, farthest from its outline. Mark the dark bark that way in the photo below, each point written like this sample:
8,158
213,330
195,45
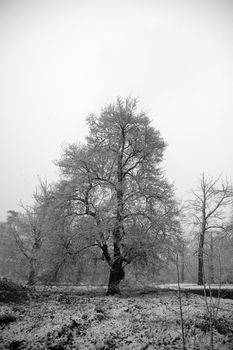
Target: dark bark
32,275
211,260
32,260
202,240
54,275
117,274
182,267
106,255
201,260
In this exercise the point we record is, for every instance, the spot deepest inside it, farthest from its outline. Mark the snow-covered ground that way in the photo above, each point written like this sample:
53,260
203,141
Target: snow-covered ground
190,286
172,286
66,320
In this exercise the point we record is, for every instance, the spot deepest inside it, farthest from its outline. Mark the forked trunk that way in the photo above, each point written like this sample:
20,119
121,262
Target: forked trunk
117,274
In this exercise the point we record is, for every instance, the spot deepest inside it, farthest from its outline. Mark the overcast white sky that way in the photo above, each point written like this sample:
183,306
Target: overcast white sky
61,60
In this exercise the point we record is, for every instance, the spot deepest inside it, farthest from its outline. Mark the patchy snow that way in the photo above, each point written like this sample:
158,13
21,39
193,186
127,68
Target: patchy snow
151,321
190,286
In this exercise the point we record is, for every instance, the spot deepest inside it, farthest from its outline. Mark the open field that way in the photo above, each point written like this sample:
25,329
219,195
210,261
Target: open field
65,318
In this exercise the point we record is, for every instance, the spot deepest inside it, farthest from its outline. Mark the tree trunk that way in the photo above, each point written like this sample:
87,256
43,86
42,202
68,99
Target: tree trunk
117,274
201,261
32,275
200,281
182,267
211,260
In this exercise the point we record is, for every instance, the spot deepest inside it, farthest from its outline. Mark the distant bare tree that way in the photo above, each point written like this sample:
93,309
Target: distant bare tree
27,230
208,209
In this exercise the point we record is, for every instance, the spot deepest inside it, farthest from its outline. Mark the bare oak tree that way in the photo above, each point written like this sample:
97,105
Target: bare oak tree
116,184
29,228
208,210
28,237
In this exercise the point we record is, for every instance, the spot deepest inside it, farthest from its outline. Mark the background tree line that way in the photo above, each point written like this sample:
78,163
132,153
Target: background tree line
113,217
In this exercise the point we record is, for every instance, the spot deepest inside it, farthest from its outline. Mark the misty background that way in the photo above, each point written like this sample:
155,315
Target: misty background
61,60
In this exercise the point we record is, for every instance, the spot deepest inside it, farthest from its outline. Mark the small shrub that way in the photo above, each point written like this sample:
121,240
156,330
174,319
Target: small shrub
6,318
100,313
16,345
12,292
223,326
